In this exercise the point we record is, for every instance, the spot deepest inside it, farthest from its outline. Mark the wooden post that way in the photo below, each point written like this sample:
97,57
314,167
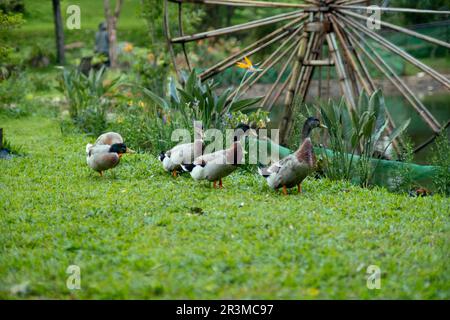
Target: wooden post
59,31
340,70
287,114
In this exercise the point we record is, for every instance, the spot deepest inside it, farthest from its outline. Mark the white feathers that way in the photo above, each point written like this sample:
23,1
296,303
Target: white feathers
217,165
178,155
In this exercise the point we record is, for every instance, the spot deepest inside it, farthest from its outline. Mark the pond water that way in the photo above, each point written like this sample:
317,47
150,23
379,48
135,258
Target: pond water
438,105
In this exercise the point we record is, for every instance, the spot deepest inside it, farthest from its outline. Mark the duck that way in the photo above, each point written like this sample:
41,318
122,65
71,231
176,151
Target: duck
293,169
217,165
181,154
106,152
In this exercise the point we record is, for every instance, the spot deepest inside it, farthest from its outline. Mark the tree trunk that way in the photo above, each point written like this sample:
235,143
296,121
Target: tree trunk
111,21
59,31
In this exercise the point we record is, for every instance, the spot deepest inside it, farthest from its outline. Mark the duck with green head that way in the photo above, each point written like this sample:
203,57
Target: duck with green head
293,169
105,154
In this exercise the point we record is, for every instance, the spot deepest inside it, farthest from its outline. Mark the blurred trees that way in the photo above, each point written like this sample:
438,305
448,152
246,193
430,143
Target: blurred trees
405,18
8,21
111,23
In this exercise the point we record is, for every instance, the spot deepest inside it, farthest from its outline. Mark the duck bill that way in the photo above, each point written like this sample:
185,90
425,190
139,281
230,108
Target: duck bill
130,150
323,126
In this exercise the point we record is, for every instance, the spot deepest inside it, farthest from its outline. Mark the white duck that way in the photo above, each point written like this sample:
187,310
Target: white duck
180,154
215,166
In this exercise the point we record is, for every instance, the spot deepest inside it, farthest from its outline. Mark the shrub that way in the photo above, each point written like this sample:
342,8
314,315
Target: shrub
441,158
89,98
12,96
402,179
199,101
354,136
145,126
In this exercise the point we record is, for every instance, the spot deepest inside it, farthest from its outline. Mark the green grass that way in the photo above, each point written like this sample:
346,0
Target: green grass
139,233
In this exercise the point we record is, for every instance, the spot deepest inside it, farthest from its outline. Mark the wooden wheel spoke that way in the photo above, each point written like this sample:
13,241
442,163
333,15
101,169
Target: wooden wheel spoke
238,28
390,9
268,63
280,75
400,29
390,74
393,48
253,48
246,3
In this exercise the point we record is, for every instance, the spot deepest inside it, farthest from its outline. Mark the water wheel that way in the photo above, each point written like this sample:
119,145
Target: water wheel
313,34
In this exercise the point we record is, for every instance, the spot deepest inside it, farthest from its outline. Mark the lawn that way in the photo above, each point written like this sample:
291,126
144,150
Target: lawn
139,233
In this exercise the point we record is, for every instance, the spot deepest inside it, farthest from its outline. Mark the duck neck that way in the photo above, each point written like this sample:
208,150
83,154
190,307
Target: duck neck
306,132
236,150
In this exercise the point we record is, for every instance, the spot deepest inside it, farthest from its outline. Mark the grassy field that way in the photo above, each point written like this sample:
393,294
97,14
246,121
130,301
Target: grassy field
139,233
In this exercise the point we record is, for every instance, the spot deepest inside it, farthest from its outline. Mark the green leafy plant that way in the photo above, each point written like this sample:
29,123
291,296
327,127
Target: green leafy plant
441,159
89,98
146,126
199,101
258,119
402,179
354,136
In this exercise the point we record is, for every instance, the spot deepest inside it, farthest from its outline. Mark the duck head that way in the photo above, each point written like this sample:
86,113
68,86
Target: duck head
310,124
120,149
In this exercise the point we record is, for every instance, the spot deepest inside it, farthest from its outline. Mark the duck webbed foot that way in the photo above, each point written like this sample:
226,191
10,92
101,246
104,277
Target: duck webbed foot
299,188
285,190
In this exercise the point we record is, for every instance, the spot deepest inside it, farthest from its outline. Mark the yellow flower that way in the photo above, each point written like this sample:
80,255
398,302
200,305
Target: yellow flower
248,65
130,103
141,104
128,47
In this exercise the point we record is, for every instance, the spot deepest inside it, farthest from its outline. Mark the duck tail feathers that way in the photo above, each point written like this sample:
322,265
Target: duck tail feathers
88,148
263,172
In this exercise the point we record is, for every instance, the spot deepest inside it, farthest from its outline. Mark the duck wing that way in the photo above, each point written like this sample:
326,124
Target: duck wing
218,157
109,138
